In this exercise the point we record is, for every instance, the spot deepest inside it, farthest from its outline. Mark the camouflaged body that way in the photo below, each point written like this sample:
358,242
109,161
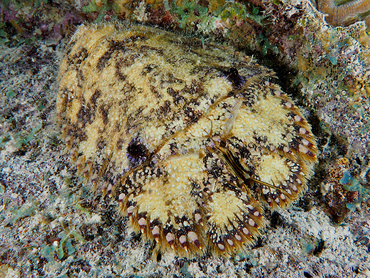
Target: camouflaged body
190,138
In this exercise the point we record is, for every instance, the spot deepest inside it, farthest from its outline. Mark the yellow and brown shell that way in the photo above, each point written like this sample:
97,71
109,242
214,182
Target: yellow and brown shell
190,138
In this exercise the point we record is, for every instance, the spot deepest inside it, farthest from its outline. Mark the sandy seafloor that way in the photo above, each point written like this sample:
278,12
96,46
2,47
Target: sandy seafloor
51,228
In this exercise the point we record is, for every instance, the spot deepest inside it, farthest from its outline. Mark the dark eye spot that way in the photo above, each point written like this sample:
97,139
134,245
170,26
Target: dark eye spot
136,152
233,76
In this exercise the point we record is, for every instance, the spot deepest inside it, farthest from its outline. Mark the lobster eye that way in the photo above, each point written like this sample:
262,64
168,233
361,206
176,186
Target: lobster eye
136,152
233,76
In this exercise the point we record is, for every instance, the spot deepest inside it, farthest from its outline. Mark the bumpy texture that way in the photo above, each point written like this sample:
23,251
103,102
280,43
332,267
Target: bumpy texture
190,138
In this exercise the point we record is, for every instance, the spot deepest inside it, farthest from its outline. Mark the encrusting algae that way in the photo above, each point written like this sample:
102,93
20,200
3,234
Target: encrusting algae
190,138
